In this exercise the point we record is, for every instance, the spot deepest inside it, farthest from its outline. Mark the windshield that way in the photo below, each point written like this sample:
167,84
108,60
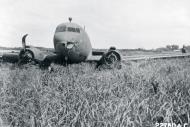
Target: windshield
72,29
69,29
61,29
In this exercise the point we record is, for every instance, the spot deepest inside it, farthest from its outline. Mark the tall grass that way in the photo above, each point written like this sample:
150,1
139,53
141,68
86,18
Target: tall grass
138,95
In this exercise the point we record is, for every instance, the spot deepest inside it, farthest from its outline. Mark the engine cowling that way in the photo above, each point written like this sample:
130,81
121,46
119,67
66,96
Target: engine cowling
26,56
111,59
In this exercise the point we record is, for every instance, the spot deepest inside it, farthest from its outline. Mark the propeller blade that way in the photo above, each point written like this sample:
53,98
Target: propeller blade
24,41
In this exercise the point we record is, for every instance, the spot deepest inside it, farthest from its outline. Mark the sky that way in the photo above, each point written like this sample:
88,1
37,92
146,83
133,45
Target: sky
122,23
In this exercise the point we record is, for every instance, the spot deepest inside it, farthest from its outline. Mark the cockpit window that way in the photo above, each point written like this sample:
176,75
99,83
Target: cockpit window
71,29
61,29
78,30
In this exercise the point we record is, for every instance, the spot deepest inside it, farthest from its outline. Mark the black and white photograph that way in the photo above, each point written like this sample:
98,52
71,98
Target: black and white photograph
94,63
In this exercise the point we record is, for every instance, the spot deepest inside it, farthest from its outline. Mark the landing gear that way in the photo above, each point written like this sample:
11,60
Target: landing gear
45,63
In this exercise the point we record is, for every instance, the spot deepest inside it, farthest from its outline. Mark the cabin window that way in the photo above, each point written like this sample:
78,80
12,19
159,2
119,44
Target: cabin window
61,29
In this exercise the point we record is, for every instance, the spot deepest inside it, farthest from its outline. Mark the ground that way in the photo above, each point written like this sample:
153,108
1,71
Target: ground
138,95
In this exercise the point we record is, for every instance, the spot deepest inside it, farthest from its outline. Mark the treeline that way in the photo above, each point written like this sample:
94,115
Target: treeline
172,48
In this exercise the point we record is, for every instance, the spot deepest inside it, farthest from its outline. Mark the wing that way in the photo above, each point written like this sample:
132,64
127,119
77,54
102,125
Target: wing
9,56
104,57
29,54
95,56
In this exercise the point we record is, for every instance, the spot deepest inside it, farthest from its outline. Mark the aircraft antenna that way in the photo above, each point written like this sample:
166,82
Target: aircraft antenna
70,19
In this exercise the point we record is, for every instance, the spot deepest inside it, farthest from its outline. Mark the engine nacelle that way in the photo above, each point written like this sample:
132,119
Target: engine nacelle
111,59
26,56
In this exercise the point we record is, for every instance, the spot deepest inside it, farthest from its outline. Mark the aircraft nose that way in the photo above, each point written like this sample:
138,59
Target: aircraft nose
70,45
67,44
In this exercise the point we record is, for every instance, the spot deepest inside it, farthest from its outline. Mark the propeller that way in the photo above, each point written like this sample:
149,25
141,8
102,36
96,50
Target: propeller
111,59
25,55
24,42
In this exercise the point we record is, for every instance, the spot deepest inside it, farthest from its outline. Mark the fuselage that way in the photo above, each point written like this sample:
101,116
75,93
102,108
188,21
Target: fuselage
71,42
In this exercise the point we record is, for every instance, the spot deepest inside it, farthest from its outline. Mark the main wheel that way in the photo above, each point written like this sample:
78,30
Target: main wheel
26,56
45,63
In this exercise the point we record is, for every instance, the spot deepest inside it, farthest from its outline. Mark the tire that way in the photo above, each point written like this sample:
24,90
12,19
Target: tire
45,63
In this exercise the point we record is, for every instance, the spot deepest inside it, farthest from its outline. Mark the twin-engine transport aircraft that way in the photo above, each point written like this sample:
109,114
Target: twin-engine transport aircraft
71,45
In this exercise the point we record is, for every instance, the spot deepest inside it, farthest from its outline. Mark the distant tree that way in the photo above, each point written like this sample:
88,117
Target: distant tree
183,50
187,46
169,47
162,49
140,49
172,47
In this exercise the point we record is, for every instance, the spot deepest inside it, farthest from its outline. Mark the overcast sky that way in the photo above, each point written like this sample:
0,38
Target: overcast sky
122,23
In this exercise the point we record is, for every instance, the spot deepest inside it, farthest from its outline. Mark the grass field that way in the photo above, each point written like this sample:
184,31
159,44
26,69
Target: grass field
138,95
